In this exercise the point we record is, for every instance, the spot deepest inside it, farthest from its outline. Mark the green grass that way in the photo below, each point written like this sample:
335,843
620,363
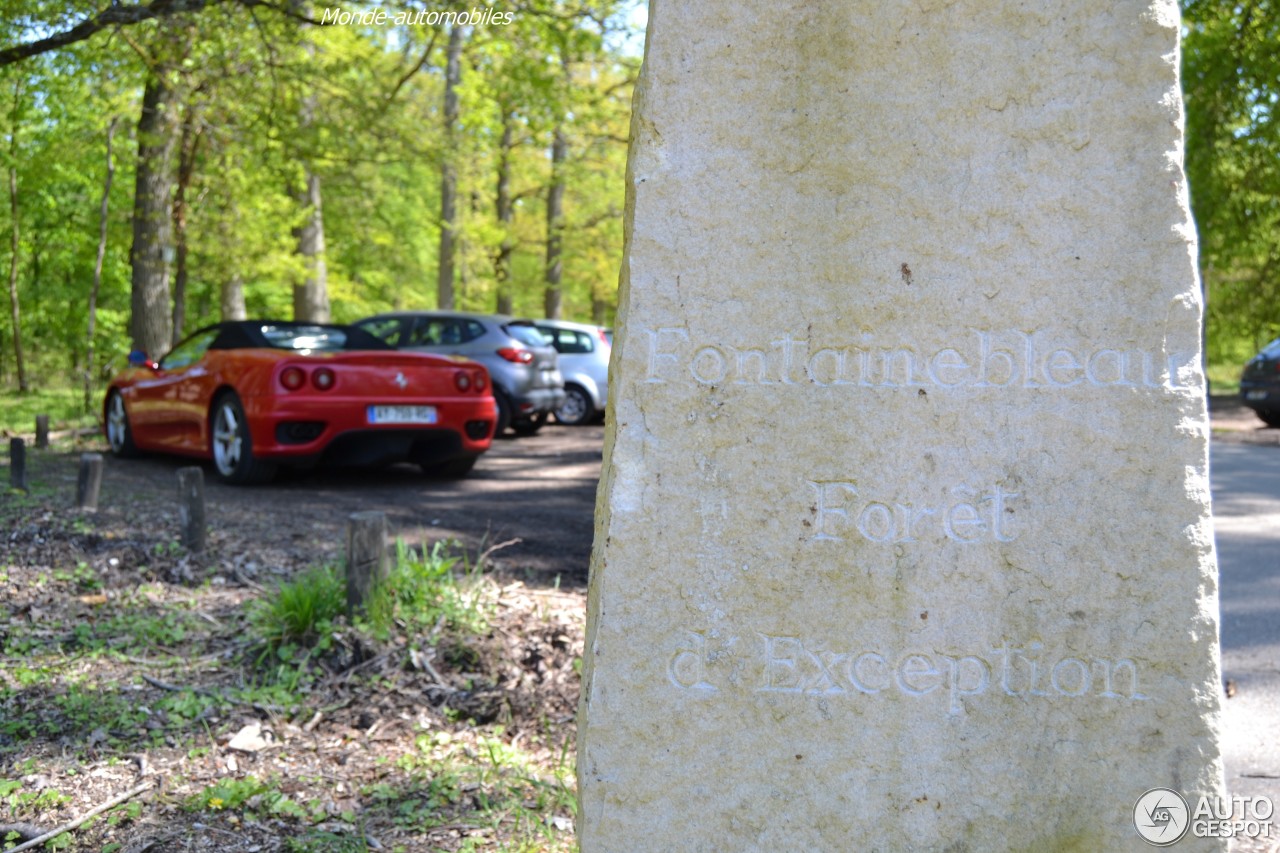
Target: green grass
422,593
484,782
1224,378
64,406
302,610
430,589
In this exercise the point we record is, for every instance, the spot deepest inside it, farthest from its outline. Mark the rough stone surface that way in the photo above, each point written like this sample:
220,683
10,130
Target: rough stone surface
903,539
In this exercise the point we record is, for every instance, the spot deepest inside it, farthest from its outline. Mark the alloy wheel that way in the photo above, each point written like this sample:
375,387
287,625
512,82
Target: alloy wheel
226,440
117,424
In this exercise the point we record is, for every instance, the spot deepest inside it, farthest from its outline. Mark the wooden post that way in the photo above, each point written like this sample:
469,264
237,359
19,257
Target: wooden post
366,557
90,481
42,432
191,507
18,464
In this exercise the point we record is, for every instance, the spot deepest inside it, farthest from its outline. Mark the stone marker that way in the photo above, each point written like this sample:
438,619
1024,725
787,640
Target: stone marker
903,538
366,557
89,481
191,511
18,463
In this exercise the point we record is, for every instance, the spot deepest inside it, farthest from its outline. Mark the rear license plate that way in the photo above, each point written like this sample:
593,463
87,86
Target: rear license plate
403,415
1256,395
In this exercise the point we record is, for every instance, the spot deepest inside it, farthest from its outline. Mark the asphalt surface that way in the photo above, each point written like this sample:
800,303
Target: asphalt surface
1246,505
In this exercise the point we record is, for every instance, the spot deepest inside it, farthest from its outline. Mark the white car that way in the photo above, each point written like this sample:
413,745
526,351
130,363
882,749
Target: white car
584,364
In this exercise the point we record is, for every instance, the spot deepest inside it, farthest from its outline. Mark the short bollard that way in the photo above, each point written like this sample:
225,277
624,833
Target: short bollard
191,507
90,481
366,557
18,464
42,432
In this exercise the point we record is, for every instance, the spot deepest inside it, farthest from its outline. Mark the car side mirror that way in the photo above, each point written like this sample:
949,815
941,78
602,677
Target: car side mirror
139,358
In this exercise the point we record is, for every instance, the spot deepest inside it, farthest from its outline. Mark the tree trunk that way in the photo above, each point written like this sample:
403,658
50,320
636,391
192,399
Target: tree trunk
555,226
97,269
448,173
506,213
599,310
311,298
15,311
232,302
187,148
231,292
150,324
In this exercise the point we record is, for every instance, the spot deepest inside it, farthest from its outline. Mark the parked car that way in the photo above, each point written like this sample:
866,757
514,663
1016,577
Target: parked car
523,367
584,363
1260,384
253,395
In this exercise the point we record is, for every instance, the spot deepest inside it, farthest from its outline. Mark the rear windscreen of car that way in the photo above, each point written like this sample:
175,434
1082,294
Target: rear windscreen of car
527,335
320,338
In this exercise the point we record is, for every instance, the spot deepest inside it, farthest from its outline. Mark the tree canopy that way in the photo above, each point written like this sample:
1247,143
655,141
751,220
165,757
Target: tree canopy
258,154
275,157
1231,81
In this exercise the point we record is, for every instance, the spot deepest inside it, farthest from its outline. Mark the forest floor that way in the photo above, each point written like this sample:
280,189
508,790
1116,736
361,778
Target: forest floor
130,666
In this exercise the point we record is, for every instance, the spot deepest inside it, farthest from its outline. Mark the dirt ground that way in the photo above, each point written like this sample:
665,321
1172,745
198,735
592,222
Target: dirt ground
537,493
353,743
125,659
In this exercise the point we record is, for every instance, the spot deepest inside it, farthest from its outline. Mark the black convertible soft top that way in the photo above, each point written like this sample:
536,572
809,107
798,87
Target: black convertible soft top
290,335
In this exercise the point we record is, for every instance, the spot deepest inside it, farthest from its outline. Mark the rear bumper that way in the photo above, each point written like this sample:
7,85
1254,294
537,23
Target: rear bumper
536,401
337,431
1260,395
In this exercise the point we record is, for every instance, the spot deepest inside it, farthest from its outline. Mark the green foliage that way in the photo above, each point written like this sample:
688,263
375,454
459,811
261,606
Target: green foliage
255,796
63,405
322,841
302,610
256,98
484,781
21,802
1231,75
424,592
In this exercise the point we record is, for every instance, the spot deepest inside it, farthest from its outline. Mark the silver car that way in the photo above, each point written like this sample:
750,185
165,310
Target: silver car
584,363
523,367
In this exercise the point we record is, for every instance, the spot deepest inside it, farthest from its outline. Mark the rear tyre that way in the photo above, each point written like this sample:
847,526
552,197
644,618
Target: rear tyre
232,446
119,433
577,408
1271,419
530,426
454,469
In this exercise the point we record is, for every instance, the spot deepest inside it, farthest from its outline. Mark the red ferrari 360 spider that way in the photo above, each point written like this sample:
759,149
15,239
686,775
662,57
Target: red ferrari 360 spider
252,395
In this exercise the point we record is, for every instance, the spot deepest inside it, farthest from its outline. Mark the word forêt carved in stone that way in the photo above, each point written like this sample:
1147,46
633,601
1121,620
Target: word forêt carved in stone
971,515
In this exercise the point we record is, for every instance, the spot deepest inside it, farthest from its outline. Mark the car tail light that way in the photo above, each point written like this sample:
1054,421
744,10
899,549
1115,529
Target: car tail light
323,379
462,380
481,380
516,355
604,339
292,378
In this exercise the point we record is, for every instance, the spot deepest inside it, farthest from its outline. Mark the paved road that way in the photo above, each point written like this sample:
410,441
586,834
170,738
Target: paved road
1246,503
